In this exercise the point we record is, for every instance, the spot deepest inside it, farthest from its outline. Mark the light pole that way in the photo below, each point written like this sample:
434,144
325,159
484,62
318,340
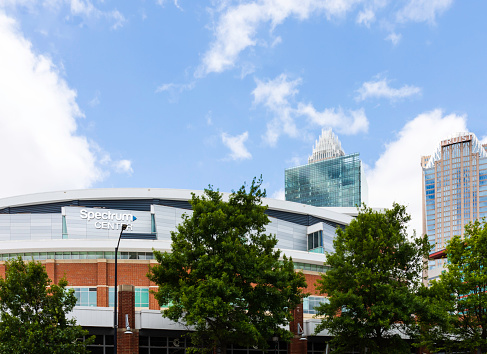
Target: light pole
115,326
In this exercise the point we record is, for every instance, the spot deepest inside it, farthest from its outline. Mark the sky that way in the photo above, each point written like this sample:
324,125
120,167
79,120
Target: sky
185,94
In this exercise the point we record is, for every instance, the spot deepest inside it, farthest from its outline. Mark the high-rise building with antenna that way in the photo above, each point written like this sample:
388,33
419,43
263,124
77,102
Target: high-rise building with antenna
454,192
330,179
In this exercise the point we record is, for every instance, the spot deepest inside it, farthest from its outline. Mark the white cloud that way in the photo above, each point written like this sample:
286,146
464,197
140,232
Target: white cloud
381,89
82,8
209,119
175,88
86,9
38,130
366,17
236,146
38,122
276,95
123,166
95,101
238,25
423,10
296,161
394,38
352,123
162,2
279,194
236,28
396,176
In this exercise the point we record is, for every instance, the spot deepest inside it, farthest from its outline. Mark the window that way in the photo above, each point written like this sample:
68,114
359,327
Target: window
141,297
103,344
310,302
85,296
315,240
65,228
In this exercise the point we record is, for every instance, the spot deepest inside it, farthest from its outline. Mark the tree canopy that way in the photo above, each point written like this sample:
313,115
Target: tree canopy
33,312
224,278
373,283
463,292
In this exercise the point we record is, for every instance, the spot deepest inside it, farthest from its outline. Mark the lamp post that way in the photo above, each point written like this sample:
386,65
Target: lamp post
115,326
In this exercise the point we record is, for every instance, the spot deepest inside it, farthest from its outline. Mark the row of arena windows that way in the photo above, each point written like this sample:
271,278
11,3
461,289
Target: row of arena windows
39,256
86,296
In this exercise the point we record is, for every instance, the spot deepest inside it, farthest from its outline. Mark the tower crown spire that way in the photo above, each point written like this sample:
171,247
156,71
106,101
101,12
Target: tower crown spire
326,147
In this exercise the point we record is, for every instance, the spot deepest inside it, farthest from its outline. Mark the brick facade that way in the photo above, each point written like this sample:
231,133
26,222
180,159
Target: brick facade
100,273
127,343
298,344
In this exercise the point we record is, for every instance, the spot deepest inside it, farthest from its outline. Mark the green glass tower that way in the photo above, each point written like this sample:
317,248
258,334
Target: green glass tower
330,179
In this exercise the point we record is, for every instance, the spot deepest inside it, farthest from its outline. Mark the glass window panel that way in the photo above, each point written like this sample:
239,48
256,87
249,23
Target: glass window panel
84,299
92,298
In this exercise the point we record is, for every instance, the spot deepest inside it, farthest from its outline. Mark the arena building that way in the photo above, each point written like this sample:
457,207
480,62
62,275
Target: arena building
74,234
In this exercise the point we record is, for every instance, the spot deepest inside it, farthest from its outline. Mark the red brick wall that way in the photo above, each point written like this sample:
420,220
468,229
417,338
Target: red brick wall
311,280
297,346
100,273
127,343
77,274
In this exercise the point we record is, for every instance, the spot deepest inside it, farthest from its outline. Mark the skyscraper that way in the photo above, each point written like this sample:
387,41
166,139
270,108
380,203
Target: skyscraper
454,192
330,179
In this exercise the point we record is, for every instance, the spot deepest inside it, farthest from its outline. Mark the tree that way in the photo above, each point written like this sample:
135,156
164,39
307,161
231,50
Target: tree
223,278
33,312
463,289
373,283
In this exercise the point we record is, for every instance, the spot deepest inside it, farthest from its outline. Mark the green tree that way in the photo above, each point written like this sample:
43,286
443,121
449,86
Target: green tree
224,278
463,289
33,312
373,283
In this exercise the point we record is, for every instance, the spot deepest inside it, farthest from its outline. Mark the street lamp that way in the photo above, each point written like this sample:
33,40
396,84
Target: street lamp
115,326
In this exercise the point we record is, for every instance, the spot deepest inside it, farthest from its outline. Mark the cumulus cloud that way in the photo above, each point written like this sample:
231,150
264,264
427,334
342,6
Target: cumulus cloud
397,176
238,151
175,88
350,122
423,10
394,38
85,8
162,2
38,128
380,89
366,17
279,194
277,96
95,101
82,8
236,27
124,166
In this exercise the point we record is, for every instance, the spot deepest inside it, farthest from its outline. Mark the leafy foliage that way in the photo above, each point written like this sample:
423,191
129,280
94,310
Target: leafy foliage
33,312
463,292
223,277
373,283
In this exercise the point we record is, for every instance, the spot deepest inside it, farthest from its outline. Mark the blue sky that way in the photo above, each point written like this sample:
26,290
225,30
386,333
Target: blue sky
182,94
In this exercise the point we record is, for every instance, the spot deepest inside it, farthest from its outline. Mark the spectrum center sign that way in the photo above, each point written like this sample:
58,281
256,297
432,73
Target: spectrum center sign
108,220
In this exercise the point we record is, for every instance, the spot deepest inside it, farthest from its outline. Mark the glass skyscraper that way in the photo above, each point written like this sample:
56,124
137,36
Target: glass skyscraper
454,192
330,179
